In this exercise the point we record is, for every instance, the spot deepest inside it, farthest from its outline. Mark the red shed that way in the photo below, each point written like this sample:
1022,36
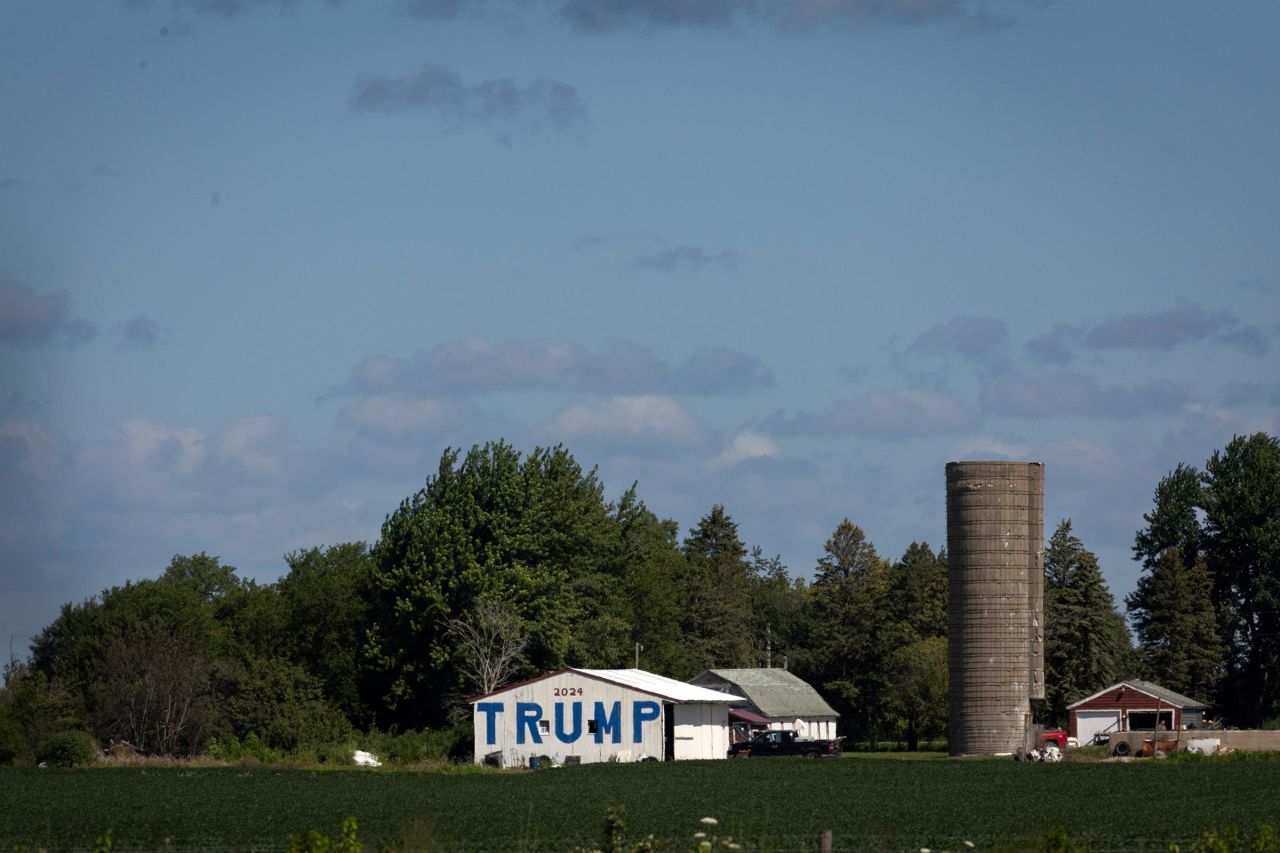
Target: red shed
1132,706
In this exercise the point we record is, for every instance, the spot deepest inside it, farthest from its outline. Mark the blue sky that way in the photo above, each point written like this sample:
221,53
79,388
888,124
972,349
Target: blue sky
261,261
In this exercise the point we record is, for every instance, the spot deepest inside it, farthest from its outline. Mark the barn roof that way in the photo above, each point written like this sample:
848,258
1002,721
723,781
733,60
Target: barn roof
660,685
776,693
1155,691
636,679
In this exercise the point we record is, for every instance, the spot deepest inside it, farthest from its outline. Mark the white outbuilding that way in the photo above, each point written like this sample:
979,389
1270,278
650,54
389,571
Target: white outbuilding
580,716
775,699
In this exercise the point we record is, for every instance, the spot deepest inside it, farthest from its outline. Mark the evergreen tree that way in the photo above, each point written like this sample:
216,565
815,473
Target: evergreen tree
777,611
652,571
847,648
1241,505
917,601
913,632
1173,615
1087,645
1174,521
717,590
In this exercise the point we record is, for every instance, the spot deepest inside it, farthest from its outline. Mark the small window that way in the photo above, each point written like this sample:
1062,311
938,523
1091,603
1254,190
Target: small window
545,725
593,726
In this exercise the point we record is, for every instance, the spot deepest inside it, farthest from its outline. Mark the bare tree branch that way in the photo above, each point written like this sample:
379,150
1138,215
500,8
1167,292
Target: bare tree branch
493,643
153,692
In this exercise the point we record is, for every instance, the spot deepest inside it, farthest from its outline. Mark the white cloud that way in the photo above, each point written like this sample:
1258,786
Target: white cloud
398,415
745,445
645,418
161,448
253,445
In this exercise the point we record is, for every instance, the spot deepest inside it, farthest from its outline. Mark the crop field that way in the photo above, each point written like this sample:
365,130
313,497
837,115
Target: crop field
777,804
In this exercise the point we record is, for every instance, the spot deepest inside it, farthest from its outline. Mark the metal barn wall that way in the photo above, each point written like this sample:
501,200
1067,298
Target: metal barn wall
517,742
701,730
995,622
807,728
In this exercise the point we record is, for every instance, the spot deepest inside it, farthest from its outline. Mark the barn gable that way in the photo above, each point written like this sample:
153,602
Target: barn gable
1147,688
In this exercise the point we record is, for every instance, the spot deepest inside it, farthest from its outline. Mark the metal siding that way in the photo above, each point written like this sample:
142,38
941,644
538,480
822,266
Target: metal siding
701,730
542,693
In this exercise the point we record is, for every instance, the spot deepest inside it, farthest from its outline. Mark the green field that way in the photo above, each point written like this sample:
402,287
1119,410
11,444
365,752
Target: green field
771,805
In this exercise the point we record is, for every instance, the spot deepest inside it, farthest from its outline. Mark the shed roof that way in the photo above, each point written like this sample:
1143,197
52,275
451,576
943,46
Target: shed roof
776,693
1155,691
745,716
639,680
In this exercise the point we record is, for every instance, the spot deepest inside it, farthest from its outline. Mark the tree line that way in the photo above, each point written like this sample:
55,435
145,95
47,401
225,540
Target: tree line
505,565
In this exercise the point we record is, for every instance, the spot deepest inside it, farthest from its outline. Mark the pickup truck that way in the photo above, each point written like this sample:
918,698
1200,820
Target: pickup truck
785,742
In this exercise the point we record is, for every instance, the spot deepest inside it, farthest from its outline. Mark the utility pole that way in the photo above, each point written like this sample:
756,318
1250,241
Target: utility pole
639,649
768,645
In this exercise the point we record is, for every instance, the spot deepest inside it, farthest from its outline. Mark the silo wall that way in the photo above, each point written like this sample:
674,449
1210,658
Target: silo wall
995,546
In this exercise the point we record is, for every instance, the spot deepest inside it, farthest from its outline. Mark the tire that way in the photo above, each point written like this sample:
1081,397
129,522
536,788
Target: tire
742,755
811,754
1121,748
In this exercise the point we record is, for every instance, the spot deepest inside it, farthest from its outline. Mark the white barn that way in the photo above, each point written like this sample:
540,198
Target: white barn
589,715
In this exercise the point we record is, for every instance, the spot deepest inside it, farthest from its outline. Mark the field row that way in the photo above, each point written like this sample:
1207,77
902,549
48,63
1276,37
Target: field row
775,805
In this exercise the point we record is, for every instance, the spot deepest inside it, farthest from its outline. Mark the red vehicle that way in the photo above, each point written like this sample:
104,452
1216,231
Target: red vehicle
1054,736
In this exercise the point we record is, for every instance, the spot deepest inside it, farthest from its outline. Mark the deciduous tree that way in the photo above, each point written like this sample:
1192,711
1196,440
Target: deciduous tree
491,643
324,600
488,526
153,691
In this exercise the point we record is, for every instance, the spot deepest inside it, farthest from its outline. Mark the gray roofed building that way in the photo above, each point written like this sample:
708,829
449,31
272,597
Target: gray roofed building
1131,705
1164,694
788,701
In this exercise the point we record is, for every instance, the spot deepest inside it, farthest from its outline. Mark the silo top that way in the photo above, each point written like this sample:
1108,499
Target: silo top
994,470
997,462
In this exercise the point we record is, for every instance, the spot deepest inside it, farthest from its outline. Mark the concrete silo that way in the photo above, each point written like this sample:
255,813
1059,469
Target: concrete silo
995,611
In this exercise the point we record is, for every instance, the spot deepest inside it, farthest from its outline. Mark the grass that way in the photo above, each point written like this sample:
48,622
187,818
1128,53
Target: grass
778,804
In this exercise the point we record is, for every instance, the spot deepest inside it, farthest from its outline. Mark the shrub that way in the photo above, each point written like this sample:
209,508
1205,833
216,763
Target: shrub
13,744
342,754
414,747
67,749
251,750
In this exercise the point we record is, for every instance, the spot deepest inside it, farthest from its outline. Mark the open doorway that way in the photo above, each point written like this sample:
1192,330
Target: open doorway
1146,720
668,731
